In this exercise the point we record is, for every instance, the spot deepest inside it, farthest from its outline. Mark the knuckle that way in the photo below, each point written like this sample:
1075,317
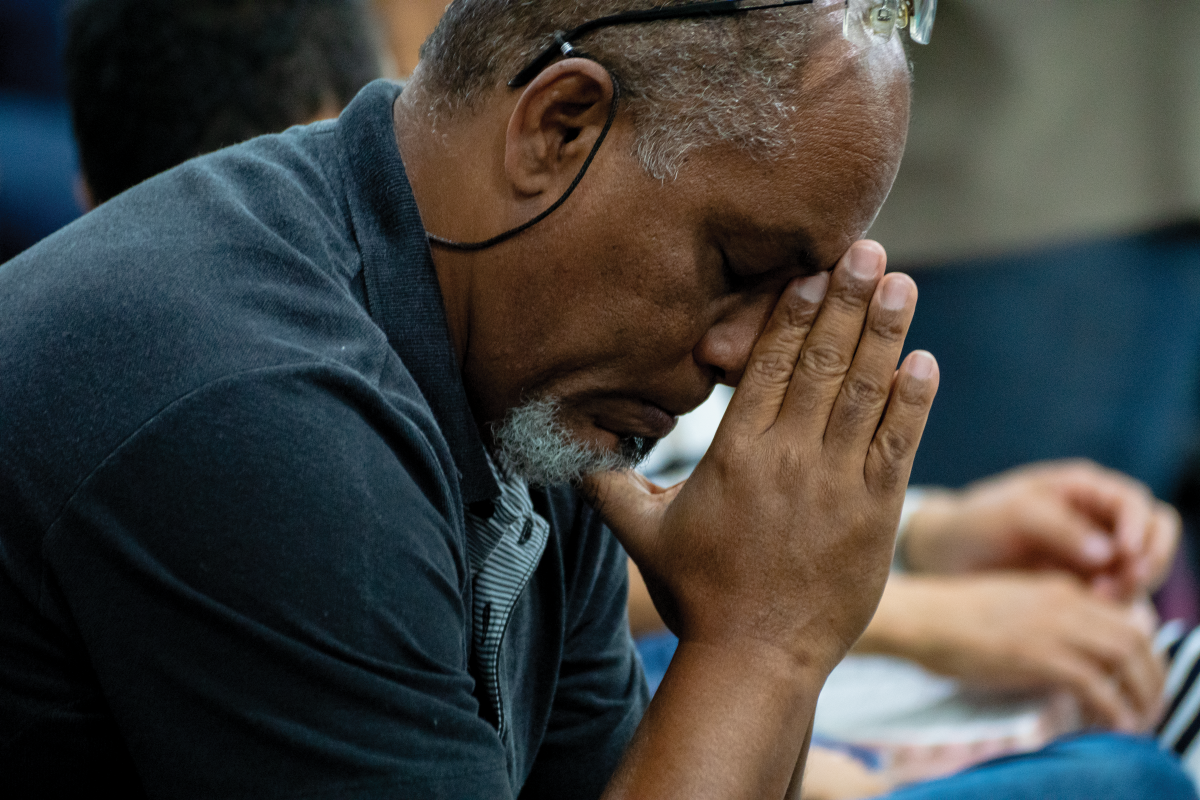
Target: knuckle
854,297
796,313
913,393
824,360
895,446
793,465
891,468
865,391
773,366
890,327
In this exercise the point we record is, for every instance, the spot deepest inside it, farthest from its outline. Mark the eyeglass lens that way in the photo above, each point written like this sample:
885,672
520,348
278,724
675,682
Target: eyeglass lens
873,20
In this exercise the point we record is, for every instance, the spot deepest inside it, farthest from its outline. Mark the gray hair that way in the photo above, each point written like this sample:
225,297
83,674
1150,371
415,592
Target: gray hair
688,84
533,444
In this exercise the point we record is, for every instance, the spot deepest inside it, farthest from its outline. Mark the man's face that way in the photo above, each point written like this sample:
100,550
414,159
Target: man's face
628,304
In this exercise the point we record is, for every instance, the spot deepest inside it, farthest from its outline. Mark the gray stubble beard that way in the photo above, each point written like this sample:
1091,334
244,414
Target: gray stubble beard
532,443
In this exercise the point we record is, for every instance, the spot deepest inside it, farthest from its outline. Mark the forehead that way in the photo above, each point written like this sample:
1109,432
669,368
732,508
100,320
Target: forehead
821,192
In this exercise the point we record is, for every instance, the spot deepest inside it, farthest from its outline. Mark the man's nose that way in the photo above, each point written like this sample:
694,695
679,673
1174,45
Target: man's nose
725,347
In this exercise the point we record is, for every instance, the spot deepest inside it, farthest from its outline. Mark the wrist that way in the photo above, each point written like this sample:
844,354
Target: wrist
892,628
913,500
749,660
924,529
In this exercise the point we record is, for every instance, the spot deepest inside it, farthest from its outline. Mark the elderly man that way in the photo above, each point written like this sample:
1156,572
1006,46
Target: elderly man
265,457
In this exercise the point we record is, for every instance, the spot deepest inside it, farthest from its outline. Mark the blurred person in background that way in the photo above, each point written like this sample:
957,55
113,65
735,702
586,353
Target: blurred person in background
1035,580
1049,207
38,166
153,83
406,25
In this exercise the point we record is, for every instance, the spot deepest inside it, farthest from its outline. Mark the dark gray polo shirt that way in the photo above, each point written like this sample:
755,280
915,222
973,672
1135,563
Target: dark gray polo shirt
235,461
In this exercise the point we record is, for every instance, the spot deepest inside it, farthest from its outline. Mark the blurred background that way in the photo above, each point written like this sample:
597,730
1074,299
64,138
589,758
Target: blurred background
1048,207
39,165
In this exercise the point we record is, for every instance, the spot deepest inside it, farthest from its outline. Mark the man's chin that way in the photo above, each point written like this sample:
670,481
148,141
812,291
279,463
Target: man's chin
635,449
532,442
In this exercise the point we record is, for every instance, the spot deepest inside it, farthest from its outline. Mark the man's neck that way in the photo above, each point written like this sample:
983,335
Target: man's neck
457,180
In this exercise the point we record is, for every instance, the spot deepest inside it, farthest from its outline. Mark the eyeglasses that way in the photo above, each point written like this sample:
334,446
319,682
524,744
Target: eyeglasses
864,18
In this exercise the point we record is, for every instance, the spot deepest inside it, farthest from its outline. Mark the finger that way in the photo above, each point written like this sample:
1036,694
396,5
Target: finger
630,505
829,348
889,458
1055,530
1134,517
1141,681
1111,499
1108,588
1098,695
755,404
864,392
1119,645
1162,541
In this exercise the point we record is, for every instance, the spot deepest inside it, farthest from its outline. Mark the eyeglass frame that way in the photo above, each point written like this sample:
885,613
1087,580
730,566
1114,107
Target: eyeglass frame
562,43
562,46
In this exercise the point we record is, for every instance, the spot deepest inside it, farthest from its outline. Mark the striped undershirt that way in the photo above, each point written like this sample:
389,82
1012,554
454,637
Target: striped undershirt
504,548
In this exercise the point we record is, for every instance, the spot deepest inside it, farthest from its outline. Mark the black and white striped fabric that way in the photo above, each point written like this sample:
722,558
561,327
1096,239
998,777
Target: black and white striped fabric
504,549
1180,724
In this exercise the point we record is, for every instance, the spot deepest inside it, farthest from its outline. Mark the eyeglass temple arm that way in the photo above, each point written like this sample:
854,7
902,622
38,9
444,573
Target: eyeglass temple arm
562,39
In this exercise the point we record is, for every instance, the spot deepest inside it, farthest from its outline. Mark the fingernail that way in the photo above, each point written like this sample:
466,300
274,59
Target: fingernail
863,263
922,365
814,287
1097,548
894,294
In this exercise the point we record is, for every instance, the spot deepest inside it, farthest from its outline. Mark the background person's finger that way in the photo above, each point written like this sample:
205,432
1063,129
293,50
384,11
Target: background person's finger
1112,499
1062,536
1099,696
829,348
1134,514
867,385
755,404
1162,540
1124,652
890,456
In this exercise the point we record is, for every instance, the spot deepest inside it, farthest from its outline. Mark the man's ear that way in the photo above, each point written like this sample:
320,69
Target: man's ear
555,124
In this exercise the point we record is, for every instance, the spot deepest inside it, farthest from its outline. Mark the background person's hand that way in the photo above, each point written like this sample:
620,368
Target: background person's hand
1035,631
1068,515
833,775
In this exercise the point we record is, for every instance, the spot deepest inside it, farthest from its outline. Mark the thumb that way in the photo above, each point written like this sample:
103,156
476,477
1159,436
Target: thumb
631,505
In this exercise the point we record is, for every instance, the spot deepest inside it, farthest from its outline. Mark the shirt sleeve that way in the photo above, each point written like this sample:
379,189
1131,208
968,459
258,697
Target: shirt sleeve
601,693
269,592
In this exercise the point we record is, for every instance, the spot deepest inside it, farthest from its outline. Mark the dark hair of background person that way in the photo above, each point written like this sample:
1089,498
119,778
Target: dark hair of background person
152,83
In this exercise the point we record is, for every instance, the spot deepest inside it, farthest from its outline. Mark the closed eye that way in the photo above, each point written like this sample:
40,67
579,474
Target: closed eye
734,282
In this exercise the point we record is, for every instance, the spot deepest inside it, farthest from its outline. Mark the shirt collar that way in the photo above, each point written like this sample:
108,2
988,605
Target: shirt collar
403,295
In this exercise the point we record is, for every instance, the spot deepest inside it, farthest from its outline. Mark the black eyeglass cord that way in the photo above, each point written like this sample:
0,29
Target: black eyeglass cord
450,244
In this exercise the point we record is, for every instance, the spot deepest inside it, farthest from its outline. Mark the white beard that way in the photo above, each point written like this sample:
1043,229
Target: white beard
534,445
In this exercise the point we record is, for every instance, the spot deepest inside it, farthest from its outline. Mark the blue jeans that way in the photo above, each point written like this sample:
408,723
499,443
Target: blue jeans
1093,766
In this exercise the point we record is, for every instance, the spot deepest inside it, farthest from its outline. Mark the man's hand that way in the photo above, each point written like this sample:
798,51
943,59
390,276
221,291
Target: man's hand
1068,515
769,561
780,537
1027,631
